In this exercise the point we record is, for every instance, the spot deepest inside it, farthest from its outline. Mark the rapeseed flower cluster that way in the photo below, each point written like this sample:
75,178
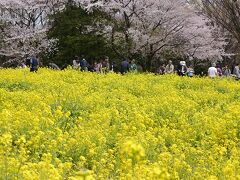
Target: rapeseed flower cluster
74,125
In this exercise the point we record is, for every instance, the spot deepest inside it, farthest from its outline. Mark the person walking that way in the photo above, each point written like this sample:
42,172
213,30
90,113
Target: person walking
84,64
34,64
236,71
133,66
169,68
212,71
182,68
105,65
114,67
97,67
219,70
190,71
161,69
125,66
76,63
226,71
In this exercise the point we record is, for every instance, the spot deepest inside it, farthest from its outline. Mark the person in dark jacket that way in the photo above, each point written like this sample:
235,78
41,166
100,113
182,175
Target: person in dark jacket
161,70
105,65
114,67
182,68
219,70
84,64
125,66
34,64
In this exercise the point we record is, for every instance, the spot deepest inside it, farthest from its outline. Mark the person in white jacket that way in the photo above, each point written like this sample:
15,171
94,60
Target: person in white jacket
212,71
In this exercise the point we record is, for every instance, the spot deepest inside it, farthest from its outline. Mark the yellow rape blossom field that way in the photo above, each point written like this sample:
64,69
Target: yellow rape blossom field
73,125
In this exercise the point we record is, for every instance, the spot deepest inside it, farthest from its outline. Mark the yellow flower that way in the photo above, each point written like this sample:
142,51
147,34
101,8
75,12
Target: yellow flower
61,124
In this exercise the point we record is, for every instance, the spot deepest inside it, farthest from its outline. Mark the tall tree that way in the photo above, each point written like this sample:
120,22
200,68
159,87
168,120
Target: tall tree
148,27
26,23
78,33
224,13
142,27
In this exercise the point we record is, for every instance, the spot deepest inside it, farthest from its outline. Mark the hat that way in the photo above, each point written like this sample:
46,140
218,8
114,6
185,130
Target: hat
182,63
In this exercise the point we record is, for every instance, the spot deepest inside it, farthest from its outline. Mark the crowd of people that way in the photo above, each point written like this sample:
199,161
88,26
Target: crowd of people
104,66
181,70
213,71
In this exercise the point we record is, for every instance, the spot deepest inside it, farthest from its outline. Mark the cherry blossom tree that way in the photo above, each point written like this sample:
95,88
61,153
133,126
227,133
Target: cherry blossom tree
203,41
25,25
138,27
225,14
148,27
